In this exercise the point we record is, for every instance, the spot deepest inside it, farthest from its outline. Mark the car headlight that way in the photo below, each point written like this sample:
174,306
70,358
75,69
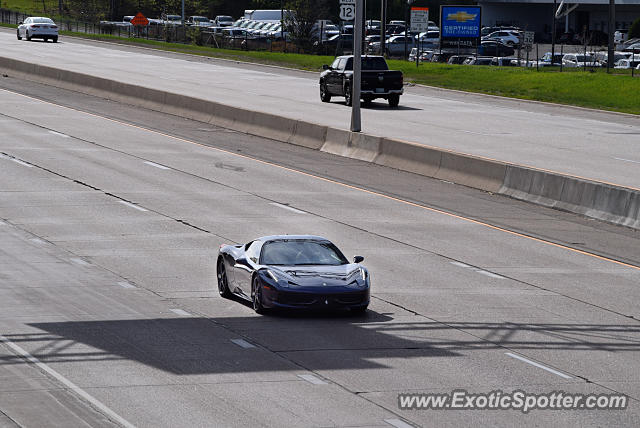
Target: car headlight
278,278
363,274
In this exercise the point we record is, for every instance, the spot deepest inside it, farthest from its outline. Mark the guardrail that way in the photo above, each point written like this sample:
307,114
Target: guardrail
604,201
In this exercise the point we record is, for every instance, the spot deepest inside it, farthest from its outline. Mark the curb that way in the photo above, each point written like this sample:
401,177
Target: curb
603,201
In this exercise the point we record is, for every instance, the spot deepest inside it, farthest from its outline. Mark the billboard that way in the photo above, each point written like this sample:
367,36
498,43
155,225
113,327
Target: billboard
460,22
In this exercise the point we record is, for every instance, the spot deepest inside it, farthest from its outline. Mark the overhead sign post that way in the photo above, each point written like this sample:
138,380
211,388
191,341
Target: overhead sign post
139,21
353,9
419,24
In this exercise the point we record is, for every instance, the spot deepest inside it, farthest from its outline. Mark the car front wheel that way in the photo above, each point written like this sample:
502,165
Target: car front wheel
257,297
223,282
348,99
325,96
18,34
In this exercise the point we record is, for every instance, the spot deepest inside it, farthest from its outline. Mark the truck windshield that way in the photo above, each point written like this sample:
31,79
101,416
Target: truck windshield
369,63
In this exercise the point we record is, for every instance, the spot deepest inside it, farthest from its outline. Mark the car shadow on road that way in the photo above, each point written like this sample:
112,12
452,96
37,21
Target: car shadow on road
328,341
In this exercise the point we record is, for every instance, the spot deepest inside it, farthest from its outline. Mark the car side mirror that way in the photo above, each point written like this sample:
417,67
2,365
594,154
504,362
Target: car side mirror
242,261
20,23
358,259
326,67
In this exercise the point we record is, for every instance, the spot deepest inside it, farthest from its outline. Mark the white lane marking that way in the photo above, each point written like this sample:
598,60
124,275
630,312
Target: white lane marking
125,284
489,274
180,312
66,382
155,165
627,160
398,423
59,134
133,206
533,363
79,261
462,265
242,343
18,161
312,379
286,207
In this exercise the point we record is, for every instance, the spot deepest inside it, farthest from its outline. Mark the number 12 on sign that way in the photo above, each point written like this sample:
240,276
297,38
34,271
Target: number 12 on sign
347,12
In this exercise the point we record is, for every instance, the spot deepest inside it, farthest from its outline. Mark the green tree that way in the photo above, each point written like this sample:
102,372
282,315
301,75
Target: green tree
301,19
634,31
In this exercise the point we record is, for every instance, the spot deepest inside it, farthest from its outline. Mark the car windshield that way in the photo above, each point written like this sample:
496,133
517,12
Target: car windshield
582,58
42,21
225,18
301,252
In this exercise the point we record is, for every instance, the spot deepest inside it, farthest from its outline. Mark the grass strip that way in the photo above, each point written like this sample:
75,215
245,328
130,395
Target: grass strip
597,90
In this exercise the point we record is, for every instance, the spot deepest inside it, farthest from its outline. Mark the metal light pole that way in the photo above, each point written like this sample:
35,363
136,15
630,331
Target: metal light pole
383,26
183,23
356,125
612,26
553,33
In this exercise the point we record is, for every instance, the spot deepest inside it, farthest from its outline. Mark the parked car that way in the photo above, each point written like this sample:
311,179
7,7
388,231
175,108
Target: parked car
545,61
603,57
395,46
628,63
36,27
509,38
503,61
494,48
340,41
425,55
481,60
223,21
429,38
457,59
377,80
579,60
632,48
173,20
199,21
485,31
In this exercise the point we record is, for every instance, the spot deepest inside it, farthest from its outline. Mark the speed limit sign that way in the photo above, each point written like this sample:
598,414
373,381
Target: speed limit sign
347,12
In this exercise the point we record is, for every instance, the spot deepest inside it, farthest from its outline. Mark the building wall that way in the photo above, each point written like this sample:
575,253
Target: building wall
538,16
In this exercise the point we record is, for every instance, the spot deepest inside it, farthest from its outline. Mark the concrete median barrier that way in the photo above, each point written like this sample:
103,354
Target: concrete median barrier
615,204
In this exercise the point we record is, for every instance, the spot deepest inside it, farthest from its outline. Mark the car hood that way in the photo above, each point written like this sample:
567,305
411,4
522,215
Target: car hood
325,276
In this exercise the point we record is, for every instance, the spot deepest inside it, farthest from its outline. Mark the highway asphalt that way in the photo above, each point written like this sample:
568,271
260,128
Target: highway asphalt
595,145
110,220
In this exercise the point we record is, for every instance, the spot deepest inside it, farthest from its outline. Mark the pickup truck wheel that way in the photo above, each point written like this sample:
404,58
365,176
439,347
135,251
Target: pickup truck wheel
325,96
348,99
394,100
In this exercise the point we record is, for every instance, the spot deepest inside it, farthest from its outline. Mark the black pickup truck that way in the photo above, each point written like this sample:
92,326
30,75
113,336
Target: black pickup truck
377,80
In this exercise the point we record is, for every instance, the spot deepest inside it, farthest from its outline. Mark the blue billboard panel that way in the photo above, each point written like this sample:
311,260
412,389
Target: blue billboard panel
460,21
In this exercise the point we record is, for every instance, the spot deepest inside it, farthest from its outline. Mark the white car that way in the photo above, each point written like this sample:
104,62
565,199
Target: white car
36,27
580,60
510,38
